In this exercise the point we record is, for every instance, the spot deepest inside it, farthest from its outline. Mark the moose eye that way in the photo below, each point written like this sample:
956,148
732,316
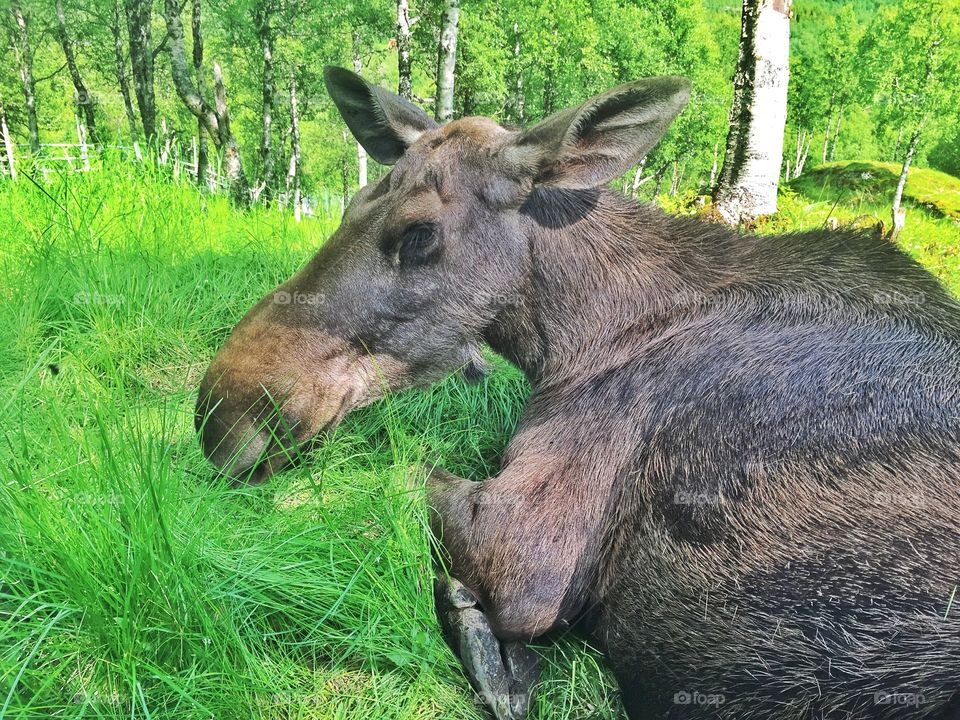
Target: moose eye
419,244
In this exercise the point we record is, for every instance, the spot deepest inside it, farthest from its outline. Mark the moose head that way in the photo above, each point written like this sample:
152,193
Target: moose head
426,261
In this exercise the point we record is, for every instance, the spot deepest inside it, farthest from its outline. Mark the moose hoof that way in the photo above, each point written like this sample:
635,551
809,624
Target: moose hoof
502,673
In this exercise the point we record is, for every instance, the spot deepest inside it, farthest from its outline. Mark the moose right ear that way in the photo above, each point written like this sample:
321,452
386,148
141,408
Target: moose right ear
383,123
589,145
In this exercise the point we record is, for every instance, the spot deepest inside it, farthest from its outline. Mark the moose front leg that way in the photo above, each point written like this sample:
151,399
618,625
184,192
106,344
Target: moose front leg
503,672
515,545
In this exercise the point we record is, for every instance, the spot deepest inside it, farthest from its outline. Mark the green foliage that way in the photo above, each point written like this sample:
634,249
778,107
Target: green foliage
856,71
134,584
909,62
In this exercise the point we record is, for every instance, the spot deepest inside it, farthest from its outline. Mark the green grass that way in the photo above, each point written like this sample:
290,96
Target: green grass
936,191
133,585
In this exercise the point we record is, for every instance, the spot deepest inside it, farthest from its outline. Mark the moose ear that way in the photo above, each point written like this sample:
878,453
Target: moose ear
589,145
384,123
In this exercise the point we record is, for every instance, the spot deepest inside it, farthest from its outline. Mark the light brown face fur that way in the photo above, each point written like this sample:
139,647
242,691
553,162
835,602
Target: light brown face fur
273,388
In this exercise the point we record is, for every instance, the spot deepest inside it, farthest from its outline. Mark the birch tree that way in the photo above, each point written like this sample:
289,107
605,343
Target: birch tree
196,29
912,53
293,169
447,60
262,19
23,52
123,81
84,98
139,14
404,85
7,144
750,176
357,68
216,119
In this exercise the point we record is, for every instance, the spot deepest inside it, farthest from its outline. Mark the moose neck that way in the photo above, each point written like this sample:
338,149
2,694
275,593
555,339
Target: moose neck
604,273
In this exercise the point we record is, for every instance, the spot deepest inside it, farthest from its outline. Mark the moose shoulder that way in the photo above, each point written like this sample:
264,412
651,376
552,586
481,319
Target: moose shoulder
741,457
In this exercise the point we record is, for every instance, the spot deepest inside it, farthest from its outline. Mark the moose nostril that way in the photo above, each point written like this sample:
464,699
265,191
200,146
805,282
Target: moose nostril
247,442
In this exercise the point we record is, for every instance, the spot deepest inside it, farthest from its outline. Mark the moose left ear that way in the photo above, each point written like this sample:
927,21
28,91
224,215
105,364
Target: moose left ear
587,146
384,123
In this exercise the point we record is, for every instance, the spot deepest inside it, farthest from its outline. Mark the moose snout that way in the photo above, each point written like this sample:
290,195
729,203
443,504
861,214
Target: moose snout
245,435
271,392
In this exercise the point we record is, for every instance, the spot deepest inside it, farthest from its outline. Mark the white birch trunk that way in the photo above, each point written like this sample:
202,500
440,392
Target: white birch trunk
638,178
7,145
447,61
82,140
899,214
293,170
754,155
404,87
24,55
715,166
361,153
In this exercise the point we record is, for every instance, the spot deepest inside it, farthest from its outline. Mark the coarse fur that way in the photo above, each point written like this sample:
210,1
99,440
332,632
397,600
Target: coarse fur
740,462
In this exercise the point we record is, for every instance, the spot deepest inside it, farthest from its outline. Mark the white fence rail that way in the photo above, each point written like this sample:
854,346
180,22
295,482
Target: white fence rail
55,158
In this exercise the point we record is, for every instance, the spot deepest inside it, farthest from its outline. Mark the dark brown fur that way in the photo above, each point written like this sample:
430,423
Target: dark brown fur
741,458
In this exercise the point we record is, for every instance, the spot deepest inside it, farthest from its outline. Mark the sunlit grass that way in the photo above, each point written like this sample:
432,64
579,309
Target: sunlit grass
131,583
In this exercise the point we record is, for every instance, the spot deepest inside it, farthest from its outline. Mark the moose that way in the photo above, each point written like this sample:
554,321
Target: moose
738,470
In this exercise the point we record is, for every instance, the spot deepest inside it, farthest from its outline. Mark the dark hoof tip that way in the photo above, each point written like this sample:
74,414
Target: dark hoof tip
502,674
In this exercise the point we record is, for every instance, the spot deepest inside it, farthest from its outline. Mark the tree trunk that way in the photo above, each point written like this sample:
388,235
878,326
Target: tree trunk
518,96
262,19
898,213
896,149
120,68
203,156
139,16
293,171
548,90
84,99
658,180
233,163
215,120
677,178
361,153
826,137
714,167
344,181
751,167
447,61
24,56
7,144
836,133
404,87
638,178
803,152
82,138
